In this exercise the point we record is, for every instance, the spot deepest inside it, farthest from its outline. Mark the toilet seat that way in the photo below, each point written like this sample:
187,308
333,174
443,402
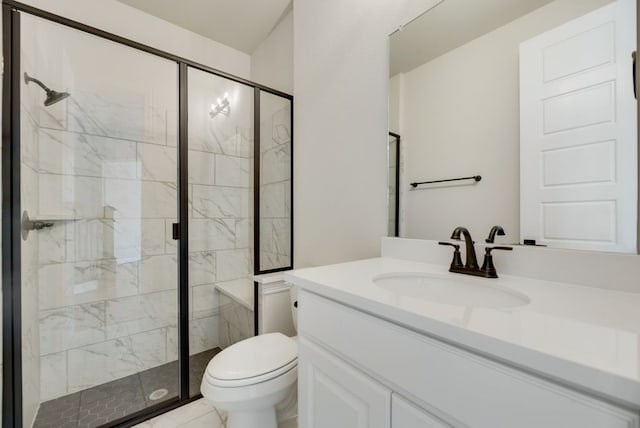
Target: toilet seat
254,360
231,383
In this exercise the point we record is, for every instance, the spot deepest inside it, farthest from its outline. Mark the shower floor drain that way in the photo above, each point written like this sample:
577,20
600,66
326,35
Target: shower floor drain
158,394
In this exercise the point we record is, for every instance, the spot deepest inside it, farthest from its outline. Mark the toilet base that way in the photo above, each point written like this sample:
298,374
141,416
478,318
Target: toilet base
264,418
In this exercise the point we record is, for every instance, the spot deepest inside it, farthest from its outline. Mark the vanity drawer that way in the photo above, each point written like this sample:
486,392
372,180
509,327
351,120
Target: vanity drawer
462,388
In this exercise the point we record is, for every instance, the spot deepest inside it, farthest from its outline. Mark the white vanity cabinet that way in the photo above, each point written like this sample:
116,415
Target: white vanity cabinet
355,370
407,415
337,395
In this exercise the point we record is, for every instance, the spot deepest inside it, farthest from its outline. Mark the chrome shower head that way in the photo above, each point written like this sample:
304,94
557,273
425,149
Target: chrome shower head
52,96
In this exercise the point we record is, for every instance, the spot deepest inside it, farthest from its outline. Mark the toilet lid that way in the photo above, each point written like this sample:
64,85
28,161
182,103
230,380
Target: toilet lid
253,357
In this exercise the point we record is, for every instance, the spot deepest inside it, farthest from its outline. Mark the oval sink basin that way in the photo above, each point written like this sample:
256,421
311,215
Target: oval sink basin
450,291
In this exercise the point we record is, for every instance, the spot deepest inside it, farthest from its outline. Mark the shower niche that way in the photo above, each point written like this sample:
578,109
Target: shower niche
152,190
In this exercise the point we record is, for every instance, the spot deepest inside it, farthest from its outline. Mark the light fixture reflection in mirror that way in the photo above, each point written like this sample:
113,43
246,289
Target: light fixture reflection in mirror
537,97
222,105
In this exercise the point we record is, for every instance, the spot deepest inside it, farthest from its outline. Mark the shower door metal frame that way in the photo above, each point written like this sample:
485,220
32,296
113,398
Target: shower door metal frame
11,209
396,226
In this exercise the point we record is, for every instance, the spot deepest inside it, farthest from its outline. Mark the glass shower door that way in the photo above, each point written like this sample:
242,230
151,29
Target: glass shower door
99,196
220,181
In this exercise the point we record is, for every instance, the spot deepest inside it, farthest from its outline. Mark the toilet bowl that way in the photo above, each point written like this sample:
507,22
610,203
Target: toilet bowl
250,378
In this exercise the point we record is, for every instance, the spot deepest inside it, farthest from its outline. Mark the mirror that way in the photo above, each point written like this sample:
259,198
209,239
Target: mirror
528,107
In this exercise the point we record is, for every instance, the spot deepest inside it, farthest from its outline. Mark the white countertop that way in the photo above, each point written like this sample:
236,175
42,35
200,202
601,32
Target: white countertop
585,337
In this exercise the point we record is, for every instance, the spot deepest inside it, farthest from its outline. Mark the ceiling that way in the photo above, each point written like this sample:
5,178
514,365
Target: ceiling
240,24
451,24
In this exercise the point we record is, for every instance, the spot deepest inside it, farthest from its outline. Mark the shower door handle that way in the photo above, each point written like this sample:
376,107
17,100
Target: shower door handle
633,73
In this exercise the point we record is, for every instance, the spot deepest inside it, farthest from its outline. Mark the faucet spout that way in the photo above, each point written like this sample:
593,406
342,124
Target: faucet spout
471,261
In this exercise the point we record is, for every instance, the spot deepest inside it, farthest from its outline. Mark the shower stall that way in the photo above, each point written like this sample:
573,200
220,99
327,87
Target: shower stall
141,193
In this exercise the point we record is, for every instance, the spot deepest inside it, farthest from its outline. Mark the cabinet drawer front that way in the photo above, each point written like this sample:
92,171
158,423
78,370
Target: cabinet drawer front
406,415
474,390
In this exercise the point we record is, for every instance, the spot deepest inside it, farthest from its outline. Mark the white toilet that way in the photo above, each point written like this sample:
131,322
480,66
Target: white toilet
248,379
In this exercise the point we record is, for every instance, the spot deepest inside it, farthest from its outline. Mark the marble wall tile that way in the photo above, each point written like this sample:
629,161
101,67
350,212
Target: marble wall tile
67,284
159,200
201,168
141,313
281,125
69,196
28,141
232,171
158,163
71,327
244,142
275,165
202,268
244,233
124,197
122,239
233,264
107,239
270,260
154,237
205,301
236,322
203,334
53,376
54,116
211,234
172,344
70,153
158,273
90,240
216,202
52,244
114,359
207,136
29,186
272,200
113,113
160,132
275,235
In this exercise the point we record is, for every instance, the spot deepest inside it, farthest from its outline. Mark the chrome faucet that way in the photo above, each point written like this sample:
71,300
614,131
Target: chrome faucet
471,267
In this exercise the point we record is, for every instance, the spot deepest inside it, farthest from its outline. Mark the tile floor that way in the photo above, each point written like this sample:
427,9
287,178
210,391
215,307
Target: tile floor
113,400
198,414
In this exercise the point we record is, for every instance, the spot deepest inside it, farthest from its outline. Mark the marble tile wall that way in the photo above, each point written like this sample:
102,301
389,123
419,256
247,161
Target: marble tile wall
236,320
108,268
275,182
106,170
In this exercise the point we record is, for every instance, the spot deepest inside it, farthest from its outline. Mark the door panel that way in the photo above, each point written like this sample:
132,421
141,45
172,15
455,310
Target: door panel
578,137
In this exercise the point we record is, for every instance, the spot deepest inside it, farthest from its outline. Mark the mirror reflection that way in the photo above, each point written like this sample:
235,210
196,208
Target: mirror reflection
536,98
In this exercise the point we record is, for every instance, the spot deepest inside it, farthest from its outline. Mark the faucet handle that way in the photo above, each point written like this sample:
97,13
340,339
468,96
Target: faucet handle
457,257
487,266
495,230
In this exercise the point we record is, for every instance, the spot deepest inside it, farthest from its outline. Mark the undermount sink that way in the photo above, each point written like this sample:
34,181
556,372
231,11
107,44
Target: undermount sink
450,291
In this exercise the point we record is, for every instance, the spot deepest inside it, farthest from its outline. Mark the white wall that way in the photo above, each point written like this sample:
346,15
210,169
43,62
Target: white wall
131,23
340,127
460,116
272,61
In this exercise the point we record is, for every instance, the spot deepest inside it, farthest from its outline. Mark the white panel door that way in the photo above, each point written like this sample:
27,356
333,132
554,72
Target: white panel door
407,415
336,395
578,137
